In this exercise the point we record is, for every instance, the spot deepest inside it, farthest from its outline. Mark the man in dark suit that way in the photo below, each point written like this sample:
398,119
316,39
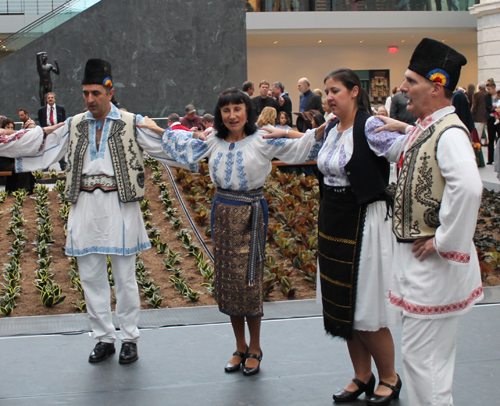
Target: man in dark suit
284,101
308,101
399,110
263,100
51,114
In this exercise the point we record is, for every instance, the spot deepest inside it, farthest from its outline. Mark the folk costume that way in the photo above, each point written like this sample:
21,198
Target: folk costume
438,195
105,185
355,239
239,211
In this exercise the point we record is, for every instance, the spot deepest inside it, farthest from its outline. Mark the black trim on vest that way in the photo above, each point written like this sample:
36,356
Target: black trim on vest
367,172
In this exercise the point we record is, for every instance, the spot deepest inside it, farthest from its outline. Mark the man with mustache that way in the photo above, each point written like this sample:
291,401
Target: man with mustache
105,183
436,269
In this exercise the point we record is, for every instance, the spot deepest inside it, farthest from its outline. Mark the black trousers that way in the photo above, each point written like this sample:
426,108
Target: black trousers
493,134
17,180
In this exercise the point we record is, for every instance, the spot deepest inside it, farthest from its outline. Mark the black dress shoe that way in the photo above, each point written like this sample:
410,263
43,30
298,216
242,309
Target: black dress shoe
376,400
346,396
252,371
236,367
128,353
101,352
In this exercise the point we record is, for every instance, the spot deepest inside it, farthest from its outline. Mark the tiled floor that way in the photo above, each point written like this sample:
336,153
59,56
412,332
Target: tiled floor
183,365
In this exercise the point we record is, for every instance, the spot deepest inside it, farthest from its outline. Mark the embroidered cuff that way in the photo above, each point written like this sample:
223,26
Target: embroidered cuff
454,256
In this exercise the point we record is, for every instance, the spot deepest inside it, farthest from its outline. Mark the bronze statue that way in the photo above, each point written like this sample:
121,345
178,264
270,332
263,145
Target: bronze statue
44,70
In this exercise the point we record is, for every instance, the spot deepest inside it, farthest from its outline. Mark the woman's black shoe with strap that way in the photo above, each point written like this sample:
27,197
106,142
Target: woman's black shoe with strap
252,371
236,367
346,396
376,400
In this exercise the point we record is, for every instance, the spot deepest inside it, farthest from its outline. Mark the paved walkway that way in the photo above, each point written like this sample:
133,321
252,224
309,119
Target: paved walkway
183,364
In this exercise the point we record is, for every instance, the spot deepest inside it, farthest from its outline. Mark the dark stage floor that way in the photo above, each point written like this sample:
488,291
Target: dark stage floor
183,364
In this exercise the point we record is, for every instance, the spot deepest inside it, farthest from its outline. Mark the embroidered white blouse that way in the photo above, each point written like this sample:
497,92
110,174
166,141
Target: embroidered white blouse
99,223
242,165
338,147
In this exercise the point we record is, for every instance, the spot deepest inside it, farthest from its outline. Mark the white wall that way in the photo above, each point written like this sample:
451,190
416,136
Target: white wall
288,64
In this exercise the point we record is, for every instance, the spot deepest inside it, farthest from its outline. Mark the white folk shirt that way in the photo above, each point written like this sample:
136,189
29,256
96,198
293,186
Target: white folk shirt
447,282
242,165
338,148
99,223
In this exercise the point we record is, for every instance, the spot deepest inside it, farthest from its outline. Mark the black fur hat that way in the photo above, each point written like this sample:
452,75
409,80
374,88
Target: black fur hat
437,62
98,72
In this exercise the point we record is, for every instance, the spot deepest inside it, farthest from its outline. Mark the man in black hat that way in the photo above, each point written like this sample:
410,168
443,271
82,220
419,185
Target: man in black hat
436,269
105,183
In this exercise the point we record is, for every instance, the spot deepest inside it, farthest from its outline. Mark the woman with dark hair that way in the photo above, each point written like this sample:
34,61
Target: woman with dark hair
7,123
239,163
318,120
355,237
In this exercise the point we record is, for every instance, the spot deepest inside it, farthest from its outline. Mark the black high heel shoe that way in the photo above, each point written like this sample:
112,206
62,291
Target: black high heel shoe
346,396
376,400
252,371
236,367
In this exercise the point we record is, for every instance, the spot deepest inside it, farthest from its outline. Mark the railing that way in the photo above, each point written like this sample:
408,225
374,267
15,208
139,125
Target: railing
359,5
46,23
29,6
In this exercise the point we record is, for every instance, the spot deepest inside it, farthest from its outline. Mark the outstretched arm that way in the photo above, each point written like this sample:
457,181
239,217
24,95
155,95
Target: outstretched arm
151,125
391,125
176,148
280,132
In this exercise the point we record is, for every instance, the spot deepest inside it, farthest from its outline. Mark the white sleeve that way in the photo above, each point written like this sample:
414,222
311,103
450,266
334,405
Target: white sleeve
52,149
22,142
292,150
152,144
461,197
388,144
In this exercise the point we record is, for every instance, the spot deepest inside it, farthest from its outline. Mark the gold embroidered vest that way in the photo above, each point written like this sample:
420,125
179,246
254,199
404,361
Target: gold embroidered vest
126,155
420,186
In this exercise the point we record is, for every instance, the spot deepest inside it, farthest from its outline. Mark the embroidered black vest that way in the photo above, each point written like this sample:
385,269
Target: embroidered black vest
126,155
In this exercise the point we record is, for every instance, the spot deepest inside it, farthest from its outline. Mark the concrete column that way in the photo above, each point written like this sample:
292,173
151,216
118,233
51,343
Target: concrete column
488,39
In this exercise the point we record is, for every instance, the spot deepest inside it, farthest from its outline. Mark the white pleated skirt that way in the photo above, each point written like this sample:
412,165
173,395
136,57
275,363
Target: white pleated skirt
373,310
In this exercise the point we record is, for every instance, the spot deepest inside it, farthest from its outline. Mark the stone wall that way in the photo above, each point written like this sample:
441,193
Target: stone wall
488,39
165,54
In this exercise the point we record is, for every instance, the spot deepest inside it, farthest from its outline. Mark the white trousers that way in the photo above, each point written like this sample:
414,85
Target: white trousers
94,278
428,353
